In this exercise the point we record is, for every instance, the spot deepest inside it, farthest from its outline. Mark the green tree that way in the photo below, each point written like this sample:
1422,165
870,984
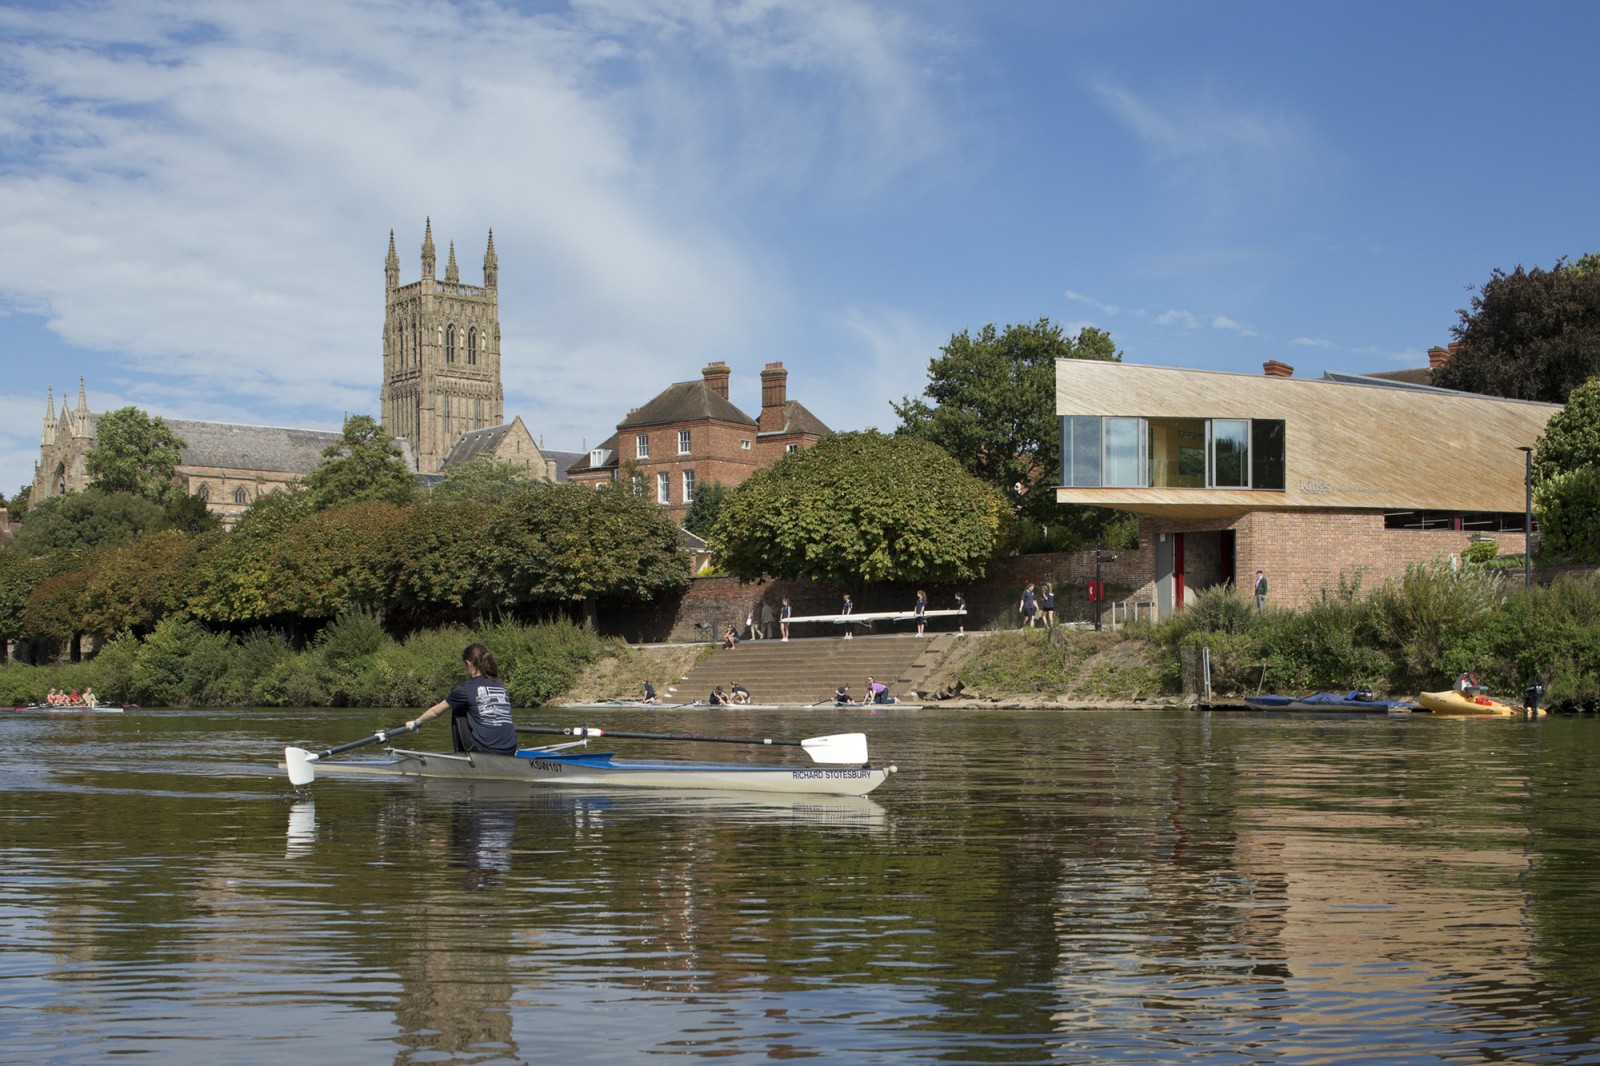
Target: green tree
85,521
19,576
702,513
134,588
990,401
571,543
134,453
1530,334
485,478
19,503
1571,439
437,568
860,507
364,464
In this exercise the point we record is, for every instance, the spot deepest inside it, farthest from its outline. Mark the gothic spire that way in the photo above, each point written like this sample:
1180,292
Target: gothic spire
49,436
391,265
428,256
491,265
80,416
451,274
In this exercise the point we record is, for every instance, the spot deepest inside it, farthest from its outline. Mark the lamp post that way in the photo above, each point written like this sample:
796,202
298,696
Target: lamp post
1527,516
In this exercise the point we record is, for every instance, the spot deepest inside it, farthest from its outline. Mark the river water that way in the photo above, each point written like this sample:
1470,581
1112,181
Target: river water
1032,887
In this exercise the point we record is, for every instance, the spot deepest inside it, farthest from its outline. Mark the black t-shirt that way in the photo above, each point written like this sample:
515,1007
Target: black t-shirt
488,709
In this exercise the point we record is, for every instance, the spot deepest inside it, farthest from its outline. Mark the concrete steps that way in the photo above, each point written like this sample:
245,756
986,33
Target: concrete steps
807,670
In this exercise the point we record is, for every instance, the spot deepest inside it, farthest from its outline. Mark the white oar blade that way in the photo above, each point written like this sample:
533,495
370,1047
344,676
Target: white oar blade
301,765
839,748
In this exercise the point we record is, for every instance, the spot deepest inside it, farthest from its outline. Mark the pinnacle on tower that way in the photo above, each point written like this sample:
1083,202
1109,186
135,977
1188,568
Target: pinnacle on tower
49,436
428,256
451,274
491,265
391,265
80,417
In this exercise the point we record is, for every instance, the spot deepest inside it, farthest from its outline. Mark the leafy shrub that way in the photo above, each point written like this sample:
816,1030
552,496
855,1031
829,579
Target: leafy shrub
179,662
1480,553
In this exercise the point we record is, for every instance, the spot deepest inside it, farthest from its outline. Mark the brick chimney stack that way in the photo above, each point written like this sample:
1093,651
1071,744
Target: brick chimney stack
1439,355
716,377
1274,369
774,399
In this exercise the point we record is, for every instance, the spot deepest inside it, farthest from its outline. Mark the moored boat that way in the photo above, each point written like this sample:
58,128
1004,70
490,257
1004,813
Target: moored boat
1454,702
1355,702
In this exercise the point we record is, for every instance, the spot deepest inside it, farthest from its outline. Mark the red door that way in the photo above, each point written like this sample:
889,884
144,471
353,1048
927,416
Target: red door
1177,571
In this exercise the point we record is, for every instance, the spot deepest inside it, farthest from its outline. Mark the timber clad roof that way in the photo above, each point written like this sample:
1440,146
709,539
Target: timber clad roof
1351,443
685,401
266,448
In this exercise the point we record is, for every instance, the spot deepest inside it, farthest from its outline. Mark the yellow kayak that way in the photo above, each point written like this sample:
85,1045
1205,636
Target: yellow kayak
1453,702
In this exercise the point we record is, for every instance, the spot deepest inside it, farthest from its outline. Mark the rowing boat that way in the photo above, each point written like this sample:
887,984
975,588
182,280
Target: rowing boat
45,708
640,705
545,766
846,771
1328,703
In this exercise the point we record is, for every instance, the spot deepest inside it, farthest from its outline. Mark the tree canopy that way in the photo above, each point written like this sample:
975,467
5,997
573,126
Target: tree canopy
1566,472
134,453
991,402
1530,335
702,513
860,507
485,479
364,464
86,521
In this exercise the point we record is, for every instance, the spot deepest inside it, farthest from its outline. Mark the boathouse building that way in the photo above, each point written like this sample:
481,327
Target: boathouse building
1312,481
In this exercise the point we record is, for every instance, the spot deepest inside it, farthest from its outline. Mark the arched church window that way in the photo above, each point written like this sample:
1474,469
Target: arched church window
240,496
203,493
472,346
450,344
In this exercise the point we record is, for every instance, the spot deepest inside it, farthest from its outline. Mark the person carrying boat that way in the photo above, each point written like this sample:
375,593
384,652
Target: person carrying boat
480,707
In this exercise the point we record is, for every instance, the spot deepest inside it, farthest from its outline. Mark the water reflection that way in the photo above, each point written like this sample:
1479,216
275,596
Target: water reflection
1032,887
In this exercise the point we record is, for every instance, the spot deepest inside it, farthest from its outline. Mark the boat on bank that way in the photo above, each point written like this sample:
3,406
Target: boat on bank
1354,702
704,705
1454,702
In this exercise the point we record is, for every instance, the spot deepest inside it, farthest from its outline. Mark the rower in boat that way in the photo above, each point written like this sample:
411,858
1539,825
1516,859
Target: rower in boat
480,707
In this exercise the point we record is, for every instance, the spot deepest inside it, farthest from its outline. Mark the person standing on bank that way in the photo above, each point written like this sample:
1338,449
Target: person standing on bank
1047,605
783,618
921,611
845,609
961,605
480,707
1261,591
1028,607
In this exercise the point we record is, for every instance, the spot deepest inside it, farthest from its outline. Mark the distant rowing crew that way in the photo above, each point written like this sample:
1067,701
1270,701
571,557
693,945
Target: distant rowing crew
62,698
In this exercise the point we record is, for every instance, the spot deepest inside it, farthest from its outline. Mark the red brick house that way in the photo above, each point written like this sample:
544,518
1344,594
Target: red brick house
691,434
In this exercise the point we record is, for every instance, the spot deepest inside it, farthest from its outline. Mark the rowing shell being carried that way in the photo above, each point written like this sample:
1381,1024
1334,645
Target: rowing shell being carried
539,766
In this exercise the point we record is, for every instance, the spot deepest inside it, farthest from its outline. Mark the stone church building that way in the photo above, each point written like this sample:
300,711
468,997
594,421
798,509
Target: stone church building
441,397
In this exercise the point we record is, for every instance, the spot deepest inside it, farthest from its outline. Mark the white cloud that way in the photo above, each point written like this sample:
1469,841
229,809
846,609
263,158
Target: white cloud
1184,319
208,187
1110,309
1312,342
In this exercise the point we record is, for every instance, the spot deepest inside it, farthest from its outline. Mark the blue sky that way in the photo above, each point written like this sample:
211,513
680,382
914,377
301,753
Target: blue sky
196,197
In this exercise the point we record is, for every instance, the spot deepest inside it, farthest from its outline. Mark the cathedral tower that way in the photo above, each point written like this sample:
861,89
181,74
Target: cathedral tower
441,354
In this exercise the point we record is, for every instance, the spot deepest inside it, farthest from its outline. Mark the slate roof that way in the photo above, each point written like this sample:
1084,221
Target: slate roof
563,461
475,443
685,401
266,448
585,461
799,420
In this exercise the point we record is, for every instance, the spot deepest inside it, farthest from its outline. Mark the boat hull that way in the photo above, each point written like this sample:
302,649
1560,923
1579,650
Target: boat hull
542,768
1451,702
701,705
1326,706
40,708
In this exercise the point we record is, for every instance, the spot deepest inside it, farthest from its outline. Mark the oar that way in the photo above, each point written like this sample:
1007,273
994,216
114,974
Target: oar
839,748
298,760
